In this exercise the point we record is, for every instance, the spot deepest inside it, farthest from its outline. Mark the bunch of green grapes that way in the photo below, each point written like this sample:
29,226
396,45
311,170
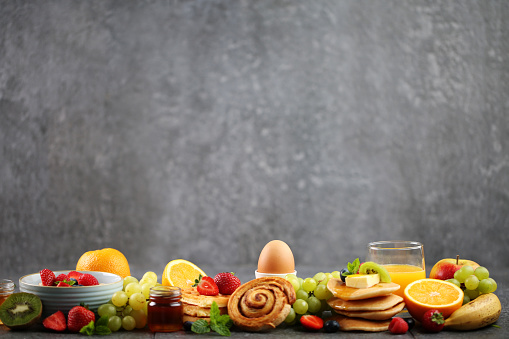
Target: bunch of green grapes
127,309
312,294
474,282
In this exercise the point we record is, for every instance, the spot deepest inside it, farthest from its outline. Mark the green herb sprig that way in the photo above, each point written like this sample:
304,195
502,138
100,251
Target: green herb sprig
101,327
353,267
219,323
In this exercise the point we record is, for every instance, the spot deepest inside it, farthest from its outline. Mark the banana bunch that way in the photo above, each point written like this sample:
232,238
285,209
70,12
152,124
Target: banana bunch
482,311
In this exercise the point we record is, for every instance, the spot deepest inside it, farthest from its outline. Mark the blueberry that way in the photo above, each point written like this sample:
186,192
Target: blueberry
187,325
331,326
410,322
343,276
75,281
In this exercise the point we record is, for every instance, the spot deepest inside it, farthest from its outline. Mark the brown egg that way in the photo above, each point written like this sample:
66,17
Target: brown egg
276,257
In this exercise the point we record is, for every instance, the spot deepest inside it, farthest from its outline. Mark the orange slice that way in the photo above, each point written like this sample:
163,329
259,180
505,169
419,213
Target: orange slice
181,273
426,294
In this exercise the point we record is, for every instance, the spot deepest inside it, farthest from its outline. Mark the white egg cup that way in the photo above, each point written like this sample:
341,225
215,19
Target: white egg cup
281,275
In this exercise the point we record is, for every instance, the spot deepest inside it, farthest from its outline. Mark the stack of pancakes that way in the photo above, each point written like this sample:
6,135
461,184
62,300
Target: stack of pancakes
196,306
364,309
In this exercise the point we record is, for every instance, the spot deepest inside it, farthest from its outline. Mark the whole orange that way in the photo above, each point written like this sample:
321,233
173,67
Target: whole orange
105,260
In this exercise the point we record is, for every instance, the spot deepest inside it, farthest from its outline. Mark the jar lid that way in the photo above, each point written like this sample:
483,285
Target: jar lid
6,285
165,291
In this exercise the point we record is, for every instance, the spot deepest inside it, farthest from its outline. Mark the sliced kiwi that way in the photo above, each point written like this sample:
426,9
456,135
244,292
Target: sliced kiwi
21,310
370,267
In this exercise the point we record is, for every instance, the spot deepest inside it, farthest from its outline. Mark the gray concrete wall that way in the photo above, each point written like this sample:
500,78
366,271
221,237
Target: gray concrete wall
204,129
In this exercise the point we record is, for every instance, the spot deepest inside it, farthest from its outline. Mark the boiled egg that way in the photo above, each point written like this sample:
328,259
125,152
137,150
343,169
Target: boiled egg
276,257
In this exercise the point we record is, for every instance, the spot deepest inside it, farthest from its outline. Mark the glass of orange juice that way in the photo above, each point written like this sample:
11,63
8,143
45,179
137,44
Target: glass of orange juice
403,259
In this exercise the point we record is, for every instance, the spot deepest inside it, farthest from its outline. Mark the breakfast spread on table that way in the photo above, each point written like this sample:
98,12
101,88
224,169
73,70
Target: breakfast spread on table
364,296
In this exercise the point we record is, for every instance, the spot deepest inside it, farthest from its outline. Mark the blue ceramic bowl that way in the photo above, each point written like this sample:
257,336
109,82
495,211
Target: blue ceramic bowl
64,298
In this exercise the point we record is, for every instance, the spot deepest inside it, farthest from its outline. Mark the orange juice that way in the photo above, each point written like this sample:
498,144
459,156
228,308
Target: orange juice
404,275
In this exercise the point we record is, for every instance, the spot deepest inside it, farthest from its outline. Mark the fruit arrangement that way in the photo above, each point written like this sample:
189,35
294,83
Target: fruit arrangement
457,296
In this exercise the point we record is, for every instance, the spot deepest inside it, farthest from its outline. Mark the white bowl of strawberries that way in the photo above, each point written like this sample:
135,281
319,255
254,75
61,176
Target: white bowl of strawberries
62,290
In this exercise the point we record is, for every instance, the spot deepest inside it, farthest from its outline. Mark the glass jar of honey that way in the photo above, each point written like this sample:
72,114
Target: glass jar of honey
6,289
164,309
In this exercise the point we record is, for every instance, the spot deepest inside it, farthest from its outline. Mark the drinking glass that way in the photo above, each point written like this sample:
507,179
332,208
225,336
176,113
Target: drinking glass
404,260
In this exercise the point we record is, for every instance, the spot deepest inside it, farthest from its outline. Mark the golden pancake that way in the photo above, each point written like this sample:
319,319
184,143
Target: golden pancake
197,311
191,296
186,317
357,324
371,304
340,290
374,315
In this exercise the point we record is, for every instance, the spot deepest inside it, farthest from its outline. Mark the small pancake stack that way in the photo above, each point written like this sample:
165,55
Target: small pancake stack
196,306
364,309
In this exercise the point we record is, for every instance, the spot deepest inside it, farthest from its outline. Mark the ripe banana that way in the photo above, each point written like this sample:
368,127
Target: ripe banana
482,311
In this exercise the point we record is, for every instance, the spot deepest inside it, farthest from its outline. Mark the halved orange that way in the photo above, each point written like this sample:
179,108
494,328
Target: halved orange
426,294
181,273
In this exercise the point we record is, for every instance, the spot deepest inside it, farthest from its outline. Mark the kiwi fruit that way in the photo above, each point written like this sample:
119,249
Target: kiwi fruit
370,267
21,310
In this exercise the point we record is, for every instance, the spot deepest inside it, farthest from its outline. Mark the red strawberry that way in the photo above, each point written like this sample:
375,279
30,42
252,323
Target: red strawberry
227,282
206,286
78,317
433,321
398,326
61,277
63,284
74,274
47,277
87,279
311,322
55,322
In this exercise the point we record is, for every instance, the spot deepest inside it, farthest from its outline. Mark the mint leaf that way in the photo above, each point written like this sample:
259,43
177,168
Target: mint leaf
353,267
214,313
225,320
102,321
102,330
200,326
88,329
220,329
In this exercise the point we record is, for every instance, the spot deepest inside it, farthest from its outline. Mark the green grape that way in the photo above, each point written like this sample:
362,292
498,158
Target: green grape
314,304
128,323
481,273
140,317
485,286
494,284
150,275
466,299
107,310
472,294
319,277
455,282
309,284
295,283
132,288
300,306
463,273
147,280
137,301
291,316
300,281
128,280
119,298
471,282
114,323
302,295
145,289
291,275
322,292
127,310
336,274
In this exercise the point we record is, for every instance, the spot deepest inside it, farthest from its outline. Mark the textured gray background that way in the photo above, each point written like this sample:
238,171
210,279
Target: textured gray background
204,129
